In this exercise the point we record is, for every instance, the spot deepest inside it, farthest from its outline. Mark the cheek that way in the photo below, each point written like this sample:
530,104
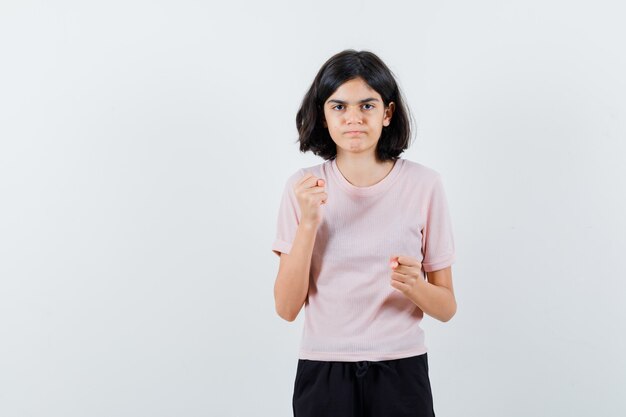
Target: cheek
333,123
333,129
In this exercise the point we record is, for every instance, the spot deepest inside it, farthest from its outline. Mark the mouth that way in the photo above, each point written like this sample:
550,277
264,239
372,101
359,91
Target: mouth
354,132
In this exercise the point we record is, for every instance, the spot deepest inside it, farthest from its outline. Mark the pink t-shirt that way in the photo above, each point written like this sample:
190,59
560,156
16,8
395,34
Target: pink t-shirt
352,313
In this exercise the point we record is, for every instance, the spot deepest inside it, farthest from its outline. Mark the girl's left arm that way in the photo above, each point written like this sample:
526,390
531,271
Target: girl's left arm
434,297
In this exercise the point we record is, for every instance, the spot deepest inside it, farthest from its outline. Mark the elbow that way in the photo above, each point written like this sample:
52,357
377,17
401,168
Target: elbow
284,307
284,312
450,314
446,319
285,315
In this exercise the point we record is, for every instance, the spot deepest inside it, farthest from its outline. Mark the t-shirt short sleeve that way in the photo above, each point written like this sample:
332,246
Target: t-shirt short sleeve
288,217
437,237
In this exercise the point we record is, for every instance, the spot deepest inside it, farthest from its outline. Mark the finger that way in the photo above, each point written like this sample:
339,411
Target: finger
400,277
400,286
409,261
318,194
409,271
312,182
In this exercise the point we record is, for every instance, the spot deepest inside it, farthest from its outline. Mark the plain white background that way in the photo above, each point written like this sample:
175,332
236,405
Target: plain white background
144,148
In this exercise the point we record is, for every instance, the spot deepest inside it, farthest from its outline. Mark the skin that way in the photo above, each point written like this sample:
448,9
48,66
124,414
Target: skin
356,157
346,111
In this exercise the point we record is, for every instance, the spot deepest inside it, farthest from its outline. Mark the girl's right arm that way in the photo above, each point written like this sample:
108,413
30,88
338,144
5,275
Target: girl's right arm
292,282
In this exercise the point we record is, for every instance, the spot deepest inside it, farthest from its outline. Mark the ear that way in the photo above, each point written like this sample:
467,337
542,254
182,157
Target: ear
388,112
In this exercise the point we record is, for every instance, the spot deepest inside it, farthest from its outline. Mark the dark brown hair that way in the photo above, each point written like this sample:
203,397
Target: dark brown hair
339,68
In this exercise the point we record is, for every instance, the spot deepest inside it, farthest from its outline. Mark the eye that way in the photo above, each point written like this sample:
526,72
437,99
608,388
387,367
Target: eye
341,105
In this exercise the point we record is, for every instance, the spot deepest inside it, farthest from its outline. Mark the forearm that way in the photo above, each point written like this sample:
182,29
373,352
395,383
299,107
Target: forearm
292,282
437,302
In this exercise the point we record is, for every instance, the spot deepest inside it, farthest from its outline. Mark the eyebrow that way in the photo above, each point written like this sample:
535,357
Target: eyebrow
361,101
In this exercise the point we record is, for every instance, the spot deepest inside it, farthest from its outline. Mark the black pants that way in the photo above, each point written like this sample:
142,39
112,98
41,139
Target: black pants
392,388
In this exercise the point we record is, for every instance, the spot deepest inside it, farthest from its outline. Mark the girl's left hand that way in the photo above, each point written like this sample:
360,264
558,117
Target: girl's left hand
406,273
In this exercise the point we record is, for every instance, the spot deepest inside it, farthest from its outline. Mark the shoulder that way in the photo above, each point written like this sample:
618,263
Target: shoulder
319,170
420,173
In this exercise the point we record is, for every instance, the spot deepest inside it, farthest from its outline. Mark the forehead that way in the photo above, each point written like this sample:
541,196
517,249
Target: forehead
354,90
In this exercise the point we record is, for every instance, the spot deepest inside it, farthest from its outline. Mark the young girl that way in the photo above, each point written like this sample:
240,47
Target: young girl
365,244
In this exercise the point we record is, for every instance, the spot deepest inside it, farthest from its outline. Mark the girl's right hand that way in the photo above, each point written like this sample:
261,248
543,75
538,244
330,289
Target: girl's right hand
311,194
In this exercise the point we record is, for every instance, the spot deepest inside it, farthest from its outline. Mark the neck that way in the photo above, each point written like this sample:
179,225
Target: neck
363,170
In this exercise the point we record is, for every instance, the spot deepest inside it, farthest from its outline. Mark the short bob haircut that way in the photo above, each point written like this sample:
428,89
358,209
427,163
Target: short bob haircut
339,68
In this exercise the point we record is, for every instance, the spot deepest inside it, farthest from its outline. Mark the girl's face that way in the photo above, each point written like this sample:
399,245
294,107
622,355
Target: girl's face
355,116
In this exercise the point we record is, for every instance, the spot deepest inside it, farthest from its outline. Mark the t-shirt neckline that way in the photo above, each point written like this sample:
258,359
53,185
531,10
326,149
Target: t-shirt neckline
375,189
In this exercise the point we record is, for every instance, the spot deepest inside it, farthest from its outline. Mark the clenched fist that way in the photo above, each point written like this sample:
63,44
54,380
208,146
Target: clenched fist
406,272
311,194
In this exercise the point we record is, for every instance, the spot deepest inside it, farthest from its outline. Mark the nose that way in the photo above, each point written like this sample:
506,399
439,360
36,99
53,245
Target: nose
353,116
